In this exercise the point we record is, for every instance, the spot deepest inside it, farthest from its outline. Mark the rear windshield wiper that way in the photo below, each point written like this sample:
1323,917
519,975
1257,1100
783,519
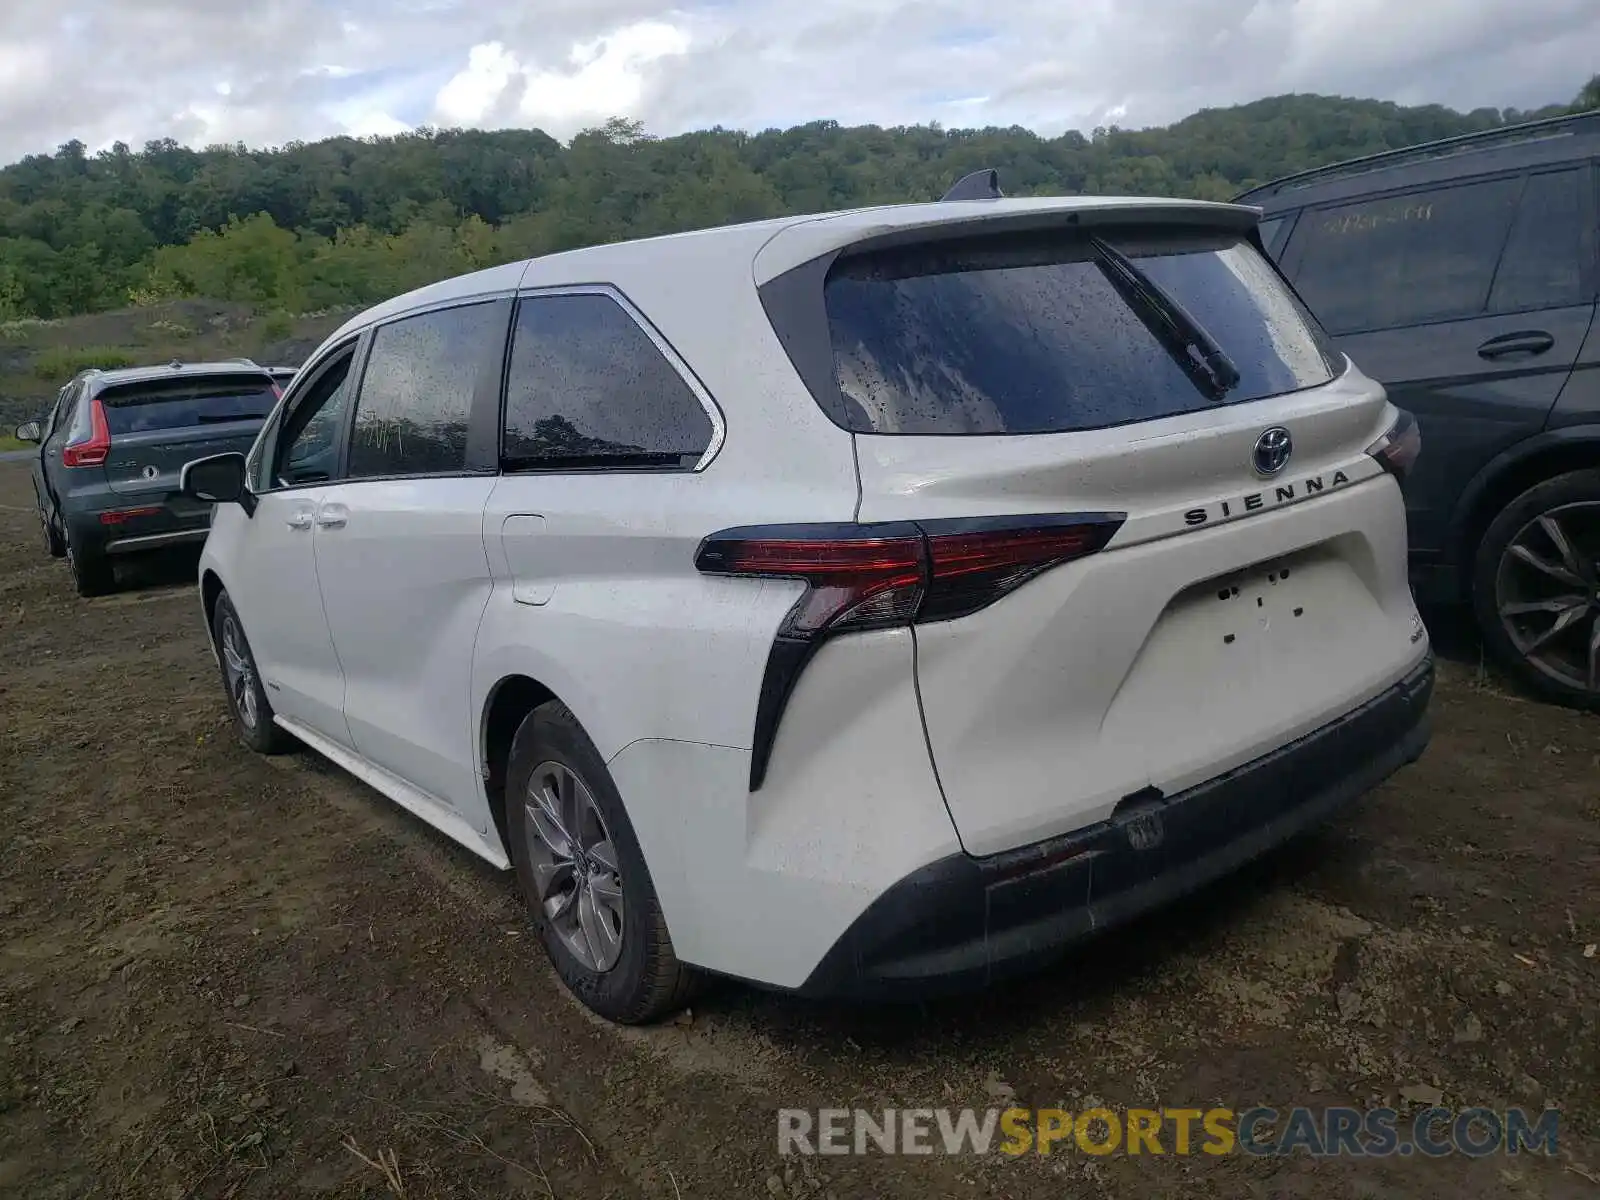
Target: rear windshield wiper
227,418
1196,351
577,460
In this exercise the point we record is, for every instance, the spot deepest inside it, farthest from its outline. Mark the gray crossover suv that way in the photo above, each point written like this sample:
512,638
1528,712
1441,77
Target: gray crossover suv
112,447
1463,275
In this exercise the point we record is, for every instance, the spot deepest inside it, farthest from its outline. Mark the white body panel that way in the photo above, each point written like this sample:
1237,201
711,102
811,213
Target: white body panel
270,563
1111,674
404,581
760,885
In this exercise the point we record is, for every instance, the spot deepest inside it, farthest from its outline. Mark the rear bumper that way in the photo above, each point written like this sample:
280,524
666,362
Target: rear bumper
153,531
963,922
157,541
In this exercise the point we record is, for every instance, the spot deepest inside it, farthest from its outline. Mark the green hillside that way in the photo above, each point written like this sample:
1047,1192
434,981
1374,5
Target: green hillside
345,221
139,256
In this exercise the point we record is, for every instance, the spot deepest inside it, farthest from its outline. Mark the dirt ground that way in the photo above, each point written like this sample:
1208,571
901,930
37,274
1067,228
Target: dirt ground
223,976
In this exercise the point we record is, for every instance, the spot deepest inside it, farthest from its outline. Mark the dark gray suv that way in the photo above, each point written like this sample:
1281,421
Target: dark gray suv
1462,274
113,445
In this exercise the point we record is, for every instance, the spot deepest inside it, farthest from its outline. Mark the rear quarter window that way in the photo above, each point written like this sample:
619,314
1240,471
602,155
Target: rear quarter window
1029,335
187,402
1392,261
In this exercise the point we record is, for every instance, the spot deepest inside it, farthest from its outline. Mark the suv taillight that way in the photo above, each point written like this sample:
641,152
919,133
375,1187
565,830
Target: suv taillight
879,576
93,452
1397,450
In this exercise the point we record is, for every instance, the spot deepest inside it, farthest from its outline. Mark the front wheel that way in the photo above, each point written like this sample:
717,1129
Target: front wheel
583,876
1536,589
247,697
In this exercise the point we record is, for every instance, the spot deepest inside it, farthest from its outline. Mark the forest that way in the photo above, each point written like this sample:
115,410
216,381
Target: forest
312,226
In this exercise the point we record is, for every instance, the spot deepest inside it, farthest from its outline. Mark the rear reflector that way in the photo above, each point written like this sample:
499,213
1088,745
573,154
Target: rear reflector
887,575
1397,450
91,453
118,516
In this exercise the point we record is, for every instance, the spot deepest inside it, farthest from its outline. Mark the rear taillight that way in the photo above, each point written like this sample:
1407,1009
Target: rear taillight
93,452
1397,450
885,575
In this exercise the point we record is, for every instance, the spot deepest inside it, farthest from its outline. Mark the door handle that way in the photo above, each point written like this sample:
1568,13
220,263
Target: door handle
300,520
332,516
1525,341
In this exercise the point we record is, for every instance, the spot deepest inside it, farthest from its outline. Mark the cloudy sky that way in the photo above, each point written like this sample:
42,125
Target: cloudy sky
270,71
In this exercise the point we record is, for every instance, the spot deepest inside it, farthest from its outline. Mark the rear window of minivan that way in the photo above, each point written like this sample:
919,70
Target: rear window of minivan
185,402
1028,334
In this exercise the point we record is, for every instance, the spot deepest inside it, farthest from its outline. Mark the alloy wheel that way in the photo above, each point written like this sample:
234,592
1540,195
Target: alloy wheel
240,671
577,881
1547,594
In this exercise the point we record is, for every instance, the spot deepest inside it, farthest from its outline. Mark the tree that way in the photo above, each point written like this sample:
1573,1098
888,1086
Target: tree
354,220
1589,97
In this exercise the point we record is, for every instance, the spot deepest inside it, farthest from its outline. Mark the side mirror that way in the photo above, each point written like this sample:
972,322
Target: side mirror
29,431
219,479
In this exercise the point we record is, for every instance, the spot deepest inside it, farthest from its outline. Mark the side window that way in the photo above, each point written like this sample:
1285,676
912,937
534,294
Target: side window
589,387
417,390
307,446
54,417
1404,260
74,422
1270,230
1543,263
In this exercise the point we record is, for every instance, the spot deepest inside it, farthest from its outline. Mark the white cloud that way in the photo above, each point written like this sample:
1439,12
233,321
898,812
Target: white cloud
470,95
301,69
601,77
609,78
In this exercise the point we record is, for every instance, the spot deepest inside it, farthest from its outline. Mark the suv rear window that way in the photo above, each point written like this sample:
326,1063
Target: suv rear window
185,402
1029,334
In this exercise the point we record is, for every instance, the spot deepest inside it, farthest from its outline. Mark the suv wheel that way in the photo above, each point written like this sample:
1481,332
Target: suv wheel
55,545
247,697
92,574
583,877
1536,588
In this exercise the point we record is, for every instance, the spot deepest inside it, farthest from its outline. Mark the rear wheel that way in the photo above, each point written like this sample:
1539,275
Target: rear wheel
92,573
1536,589
55,545
247,698
583,876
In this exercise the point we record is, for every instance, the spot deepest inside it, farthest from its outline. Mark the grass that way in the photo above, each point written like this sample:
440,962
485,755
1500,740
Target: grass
60,363
7,442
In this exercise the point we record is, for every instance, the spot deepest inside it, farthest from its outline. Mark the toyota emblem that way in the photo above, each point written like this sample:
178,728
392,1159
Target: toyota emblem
1272,451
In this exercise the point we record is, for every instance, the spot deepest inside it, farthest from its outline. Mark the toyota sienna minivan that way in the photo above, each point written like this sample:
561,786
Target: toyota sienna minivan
861,604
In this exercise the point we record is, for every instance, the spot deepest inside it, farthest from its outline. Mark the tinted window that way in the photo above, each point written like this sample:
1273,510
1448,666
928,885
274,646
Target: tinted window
1543,263
308,448
184,403
1403,260
1030,335
74,416
1269,234
586,379
416,393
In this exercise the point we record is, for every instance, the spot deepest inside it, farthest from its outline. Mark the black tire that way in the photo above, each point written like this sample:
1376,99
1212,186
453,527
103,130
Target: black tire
92,574
647,981
1496,571
55,545
254,720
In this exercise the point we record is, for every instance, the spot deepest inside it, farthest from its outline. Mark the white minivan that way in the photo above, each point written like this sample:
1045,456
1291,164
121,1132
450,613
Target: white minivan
858,604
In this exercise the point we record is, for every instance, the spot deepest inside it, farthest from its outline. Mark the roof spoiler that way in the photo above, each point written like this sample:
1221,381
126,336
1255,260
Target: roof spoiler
980,185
